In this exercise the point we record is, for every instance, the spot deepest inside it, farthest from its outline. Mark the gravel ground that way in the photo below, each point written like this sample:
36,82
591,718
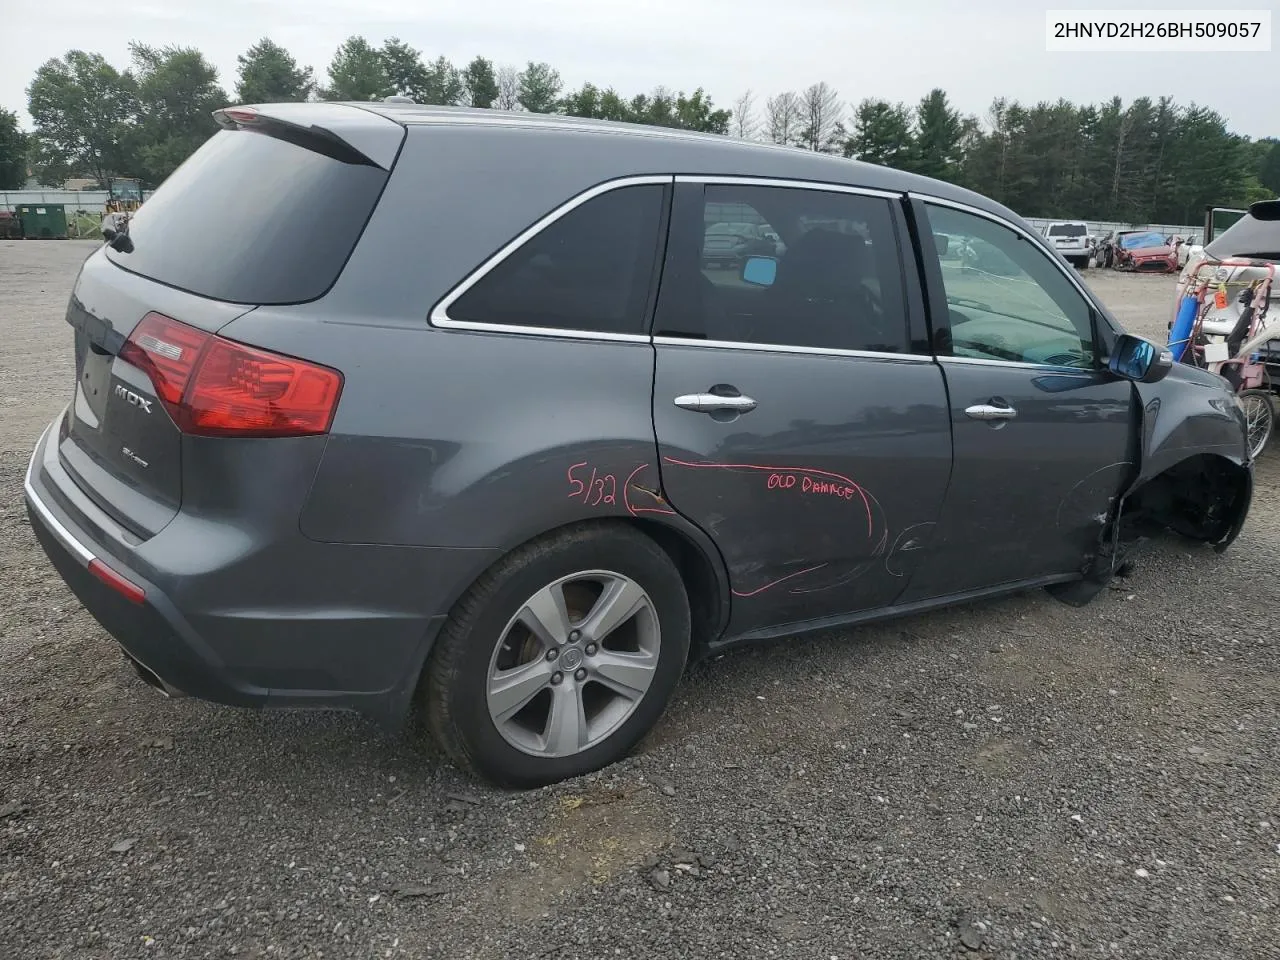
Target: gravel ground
1017,779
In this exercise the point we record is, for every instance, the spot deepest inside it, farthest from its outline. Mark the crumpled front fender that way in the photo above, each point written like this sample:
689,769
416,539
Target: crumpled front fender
1193,414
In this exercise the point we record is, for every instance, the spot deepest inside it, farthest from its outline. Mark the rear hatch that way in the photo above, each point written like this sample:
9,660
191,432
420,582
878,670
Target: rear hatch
265,212
1072,237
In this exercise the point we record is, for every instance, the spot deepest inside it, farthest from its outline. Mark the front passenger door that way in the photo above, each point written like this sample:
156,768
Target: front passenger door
1044,436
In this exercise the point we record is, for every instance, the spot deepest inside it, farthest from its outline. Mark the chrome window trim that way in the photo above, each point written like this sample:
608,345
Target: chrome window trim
821,185
1021,364
788,348
439,315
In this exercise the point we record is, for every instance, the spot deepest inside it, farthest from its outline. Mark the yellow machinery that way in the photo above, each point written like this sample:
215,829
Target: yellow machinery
124,195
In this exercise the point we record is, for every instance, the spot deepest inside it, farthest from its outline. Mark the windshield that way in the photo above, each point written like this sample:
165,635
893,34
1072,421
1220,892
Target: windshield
1068,230
1133,241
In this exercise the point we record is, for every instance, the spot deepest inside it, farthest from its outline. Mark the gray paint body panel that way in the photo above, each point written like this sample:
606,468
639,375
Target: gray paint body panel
1029,496
806,495
452,446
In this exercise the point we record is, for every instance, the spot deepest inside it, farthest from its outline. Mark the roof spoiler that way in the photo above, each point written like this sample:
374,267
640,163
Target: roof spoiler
348,135
1265,209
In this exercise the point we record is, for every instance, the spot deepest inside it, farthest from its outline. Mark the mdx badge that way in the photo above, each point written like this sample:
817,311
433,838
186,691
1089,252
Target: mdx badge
128,396
134,457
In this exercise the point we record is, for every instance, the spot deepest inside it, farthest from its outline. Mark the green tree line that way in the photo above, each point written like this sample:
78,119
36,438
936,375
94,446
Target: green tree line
1147,161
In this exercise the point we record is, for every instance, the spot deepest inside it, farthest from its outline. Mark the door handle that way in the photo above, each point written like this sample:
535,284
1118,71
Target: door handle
713,402
990,411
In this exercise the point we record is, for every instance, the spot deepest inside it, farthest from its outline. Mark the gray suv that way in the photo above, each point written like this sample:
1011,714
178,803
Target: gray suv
459,418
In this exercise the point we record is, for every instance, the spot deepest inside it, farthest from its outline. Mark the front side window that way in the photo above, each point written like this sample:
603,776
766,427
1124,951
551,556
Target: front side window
786,266
1006,299
589,270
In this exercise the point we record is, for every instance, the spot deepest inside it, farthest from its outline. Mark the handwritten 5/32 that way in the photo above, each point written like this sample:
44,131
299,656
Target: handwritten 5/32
595,489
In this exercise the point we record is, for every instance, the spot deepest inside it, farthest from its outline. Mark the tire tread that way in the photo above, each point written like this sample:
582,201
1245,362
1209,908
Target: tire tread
444,662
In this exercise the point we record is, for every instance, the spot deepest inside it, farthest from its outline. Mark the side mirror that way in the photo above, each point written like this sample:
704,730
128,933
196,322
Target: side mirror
1141,360
108,234
759,271
943,243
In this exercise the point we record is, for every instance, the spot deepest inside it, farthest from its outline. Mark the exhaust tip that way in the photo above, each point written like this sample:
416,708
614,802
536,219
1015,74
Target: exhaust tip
150,677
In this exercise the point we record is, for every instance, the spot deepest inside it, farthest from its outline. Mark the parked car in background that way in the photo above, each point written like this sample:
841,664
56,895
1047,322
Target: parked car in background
1071,239
729,244
523,467
1254,236
1144,251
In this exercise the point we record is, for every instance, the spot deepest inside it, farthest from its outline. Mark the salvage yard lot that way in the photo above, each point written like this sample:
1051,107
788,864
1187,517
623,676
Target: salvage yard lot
1013,779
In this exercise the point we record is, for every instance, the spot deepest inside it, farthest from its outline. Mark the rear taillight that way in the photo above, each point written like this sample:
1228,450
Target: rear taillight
215,387
126,588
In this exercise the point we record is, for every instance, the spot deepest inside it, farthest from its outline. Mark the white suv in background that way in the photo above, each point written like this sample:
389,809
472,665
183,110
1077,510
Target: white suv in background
1071,239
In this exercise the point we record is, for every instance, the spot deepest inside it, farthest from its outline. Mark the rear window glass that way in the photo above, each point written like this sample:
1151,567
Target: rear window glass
1255,235
1068,230
250,218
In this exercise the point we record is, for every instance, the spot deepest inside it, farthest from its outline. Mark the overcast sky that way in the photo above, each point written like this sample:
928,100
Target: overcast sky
974,49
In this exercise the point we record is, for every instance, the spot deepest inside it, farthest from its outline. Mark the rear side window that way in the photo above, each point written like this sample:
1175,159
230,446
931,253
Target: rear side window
250,218
818,269
589,270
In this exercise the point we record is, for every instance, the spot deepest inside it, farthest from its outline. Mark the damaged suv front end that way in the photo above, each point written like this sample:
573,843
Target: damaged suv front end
1193,475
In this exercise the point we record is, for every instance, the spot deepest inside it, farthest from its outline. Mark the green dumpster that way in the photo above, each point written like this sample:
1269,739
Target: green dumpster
43,221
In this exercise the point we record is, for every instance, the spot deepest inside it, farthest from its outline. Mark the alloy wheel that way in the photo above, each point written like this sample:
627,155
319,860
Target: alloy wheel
573,663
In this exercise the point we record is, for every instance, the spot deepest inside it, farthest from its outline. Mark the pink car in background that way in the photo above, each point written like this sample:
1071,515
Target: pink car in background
1145,251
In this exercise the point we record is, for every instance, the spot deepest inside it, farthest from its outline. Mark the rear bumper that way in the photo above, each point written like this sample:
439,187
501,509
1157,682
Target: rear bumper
246,621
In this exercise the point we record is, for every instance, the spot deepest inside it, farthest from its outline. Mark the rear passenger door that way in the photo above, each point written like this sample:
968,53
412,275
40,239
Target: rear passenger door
795,424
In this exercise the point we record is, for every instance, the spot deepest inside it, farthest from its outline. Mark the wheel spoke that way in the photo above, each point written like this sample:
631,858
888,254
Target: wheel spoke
566,731
538,707
545,614
626,674
510,690
619,602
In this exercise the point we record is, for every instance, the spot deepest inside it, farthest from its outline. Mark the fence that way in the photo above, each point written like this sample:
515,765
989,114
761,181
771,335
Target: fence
1100,227
71,199
83,208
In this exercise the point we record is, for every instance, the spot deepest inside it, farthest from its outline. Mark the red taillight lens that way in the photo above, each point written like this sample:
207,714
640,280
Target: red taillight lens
126,588
239,391
167,352
217,387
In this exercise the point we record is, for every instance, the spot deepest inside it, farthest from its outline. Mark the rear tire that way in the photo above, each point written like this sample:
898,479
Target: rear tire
602,691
